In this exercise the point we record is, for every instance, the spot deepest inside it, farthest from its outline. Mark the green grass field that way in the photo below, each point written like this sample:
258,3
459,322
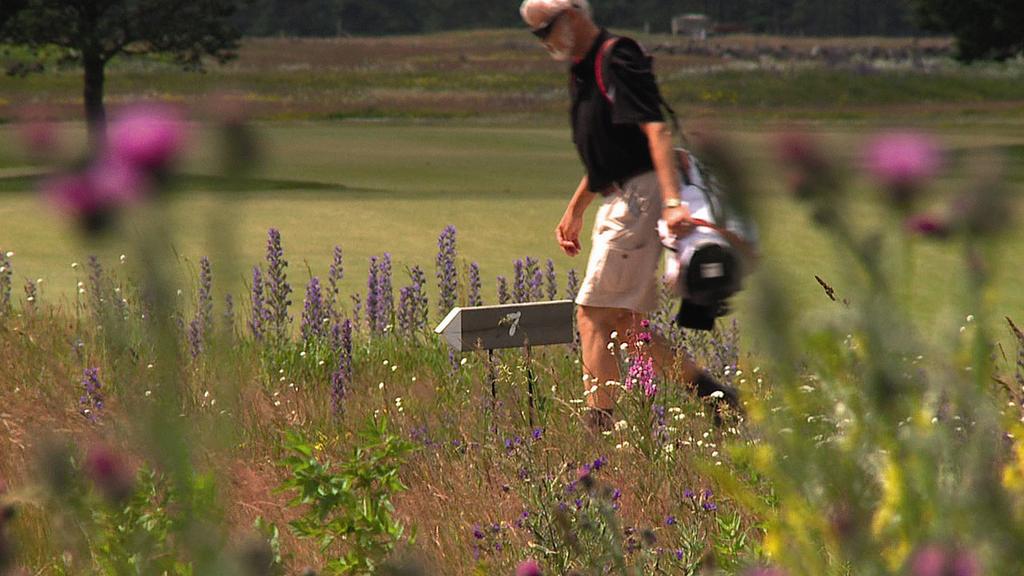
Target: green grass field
377,144
374,188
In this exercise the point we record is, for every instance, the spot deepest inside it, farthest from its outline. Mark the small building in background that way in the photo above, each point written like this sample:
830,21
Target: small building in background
693,26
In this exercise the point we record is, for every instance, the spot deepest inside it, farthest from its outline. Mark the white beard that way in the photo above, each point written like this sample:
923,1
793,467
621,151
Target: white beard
568,42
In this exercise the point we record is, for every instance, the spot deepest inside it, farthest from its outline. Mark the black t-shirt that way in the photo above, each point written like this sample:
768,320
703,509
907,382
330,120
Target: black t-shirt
607,134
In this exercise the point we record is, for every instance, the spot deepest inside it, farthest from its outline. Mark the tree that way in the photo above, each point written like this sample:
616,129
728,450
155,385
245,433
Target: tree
984,29
95,31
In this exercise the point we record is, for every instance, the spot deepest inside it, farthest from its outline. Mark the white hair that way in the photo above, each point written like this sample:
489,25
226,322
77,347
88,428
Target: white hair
549,8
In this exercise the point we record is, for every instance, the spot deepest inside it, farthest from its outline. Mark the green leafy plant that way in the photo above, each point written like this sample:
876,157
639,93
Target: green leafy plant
347,506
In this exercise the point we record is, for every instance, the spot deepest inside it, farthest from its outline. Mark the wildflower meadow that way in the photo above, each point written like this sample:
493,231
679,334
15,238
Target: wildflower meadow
156,427
274,407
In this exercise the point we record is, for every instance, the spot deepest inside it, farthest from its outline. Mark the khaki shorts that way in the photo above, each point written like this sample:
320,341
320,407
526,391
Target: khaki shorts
623,264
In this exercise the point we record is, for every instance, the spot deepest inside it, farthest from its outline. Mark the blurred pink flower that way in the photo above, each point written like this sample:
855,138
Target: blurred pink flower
72,194
902,159
148,136
928,225
101,188
765,571
109,472
528,568
935,560
809,170
39,137
116,182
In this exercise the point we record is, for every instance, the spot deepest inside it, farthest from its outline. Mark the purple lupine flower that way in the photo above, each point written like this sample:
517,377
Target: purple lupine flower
195,337
670,521
537,433
419,285
342,376
335,275
204,310
277,287
520,292
357,306
551,284
90,404
447,276
710,506
689,494
386,303
96,286
313,326
373,296
229,315
6,280
406,310
474,285
31,294
572,285
503,296
258,313
535,279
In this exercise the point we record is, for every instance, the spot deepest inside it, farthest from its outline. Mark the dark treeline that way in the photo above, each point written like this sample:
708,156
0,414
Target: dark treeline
374,17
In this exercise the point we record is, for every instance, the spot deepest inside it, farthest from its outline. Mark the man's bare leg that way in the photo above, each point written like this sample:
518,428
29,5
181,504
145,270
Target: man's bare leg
599,363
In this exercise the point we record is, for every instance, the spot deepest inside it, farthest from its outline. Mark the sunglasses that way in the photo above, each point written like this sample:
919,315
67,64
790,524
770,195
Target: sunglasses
544,31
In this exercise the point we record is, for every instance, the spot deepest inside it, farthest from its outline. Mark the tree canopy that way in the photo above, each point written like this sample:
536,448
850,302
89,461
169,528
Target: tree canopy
94,31
984,29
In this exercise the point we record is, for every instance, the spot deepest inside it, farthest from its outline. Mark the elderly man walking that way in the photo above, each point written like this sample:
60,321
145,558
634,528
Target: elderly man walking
626,147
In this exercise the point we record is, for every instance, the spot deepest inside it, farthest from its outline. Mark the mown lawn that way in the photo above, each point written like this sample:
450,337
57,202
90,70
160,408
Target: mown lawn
392,188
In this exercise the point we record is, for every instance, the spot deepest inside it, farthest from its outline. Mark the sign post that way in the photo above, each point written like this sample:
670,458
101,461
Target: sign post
509,326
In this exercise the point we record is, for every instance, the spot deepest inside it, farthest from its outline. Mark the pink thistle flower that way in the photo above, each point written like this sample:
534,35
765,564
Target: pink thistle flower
928,225
109,473
902,162
72,194
935,560
809,171
116,182
149,137
39,137
528,568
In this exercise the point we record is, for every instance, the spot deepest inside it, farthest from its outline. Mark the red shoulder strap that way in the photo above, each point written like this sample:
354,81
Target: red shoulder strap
606,49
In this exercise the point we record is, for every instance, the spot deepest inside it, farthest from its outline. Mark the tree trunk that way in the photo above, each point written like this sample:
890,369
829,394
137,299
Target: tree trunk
95,113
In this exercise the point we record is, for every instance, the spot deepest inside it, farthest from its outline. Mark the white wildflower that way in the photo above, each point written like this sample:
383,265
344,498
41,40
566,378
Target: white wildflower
615,335
718,394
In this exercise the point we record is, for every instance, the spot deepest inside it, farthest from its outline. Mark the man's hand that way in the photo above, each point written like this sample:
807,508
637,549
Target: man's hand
568,233
678,220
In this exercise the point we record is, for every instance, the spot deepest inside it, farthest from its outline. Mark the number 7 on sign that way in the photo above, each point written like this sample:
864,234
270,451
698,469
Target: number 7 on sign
513,320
